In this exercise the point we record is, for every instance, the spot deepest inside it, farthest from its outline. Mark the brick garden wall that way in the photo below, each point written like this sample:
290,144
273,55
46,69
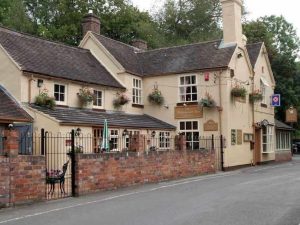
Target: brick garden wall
22,178
283,156
96,172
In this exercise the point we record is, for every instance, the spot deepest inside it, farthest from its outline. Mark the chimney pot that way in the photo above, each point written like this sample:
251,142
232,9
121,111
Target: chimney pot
90,22
140,44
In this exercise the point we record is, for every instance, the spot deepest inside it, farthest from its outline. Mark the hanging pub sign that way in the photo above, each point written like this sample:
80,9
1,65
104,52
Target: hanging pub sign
291,115
275,100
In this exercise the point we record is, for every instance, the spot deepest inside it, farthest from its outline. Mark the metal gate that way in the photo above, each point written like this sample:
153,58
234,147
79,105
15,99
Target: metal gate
219,145
59,153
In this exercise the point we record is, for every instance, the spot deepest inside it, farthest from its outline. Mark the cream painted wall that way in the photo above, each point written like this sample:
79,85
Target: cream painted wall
10,75
237,115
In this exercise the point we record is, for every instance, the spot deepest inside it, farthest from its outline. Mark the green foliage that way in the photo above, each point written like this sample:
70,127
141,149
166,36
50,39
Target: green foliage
255,97
239,92
44,100
207,102
156,97
283,45
120,100
86,95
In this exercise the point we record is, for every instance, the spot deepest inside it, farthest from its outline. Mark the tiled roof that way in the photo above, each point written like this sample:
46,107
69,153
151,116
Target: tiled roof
10,109
55,59
253,51
179,59
96,118
282,126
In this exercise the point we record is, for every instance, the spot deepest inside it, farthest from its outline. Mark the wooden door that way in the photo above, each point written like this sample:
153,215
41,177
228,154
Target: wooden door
257,148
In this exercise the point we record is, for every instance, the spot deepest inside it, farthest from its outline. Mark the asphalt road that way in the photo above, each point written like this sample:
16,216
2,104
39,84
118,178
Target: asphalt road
258,195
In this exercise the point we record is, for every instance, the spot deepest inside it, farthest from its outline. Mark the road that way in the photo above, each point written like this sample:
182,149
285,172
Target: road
258,195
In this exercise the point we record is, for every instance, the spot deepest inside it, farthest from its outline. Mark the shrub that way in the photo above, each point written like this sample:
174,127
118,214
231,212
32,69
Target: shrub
44,100
156,97
238,91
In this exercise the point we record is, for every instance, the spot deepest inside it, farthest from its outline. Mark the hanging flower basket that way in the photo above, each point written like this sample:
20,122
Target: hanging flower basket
256,96
85,96
122,99
156,97
208,101
239,92
44,100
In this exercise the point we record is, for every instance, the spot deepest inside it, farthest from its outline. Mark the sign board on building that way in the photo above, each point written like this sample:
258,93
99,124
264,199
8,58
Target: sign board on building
275,100
188,112
211,126
291,115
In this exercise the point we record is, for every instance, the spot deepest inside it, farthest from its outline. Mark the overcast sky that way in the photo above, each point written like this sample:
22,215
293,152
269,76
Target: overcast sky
256,8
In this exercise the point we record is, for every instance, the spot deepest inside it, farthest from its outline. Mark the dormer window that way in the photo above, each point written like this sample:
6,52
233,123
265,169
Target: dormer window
60,93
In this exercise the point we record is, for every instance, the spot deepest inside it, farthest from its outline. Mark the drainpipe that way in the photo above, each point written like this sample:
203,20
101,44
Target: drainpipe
220,119
253,123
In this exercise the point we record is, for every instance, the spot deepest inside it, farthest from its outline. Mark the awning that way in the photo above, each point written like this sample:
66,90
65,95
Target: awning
264,81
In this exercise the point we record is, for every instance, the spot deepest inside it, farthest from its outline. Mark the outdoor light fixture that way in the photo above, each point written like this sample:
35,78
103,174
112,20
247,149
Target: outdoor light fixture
239,55
125,132
77,132
10,126
153,133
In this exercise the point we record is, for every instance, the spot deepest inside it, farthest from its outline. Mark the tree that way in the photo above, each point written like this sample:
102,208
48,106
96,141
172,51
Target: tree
187,21
283,45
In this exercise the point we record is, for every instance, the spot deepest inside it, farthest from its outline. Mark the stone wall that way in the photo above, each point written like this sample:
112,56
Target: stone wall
96,172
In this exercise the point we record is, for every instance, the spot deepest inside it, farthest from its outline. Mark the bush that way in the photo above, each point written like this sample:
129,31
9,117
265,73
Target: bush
44,100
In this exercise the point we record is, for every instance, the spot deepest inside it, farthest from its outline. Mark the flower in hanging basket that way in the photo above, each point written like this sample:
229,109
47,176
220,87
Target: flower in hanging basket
155,97
256,96
86,95
121,100
239,92
208,101
44,100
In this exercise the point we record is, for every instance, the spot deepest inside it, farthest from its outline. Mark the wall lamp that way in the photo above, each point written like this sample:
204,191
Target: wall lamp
78,132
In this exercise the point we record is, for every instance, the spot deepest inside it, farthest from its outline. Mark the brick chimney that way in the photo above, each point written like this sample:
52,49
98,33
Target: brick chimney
140,44
90,22
232,21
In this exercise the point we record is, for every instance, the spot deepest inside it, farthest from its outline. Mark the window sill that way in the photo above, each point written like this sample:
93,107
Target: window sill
137,106
268,152
99,109
187,103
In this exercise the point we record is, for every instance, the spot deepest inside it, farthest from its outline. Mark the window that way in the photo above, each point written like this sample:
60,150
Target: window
129,136
188,89
263,92
191,130
248,137
283,140
137,91
114,136
59,92
267,139
97,138
164,140
97,98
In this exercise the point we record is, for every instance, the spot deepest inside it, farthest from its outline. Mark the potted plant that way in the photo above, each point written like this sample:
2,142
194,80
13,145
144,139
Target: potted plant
155,97
44,100
122,99
208,101
256,96
239,92
85,96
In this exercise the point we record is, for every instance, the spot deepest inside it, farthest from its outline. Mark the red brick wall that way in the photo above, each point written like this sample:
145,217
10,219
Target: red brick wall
4,181
283,156
22,178
96,172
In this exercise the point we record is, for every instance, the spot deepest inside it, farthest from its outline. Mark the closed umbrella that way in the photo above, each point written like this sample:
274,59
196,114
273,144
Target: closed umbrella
105,142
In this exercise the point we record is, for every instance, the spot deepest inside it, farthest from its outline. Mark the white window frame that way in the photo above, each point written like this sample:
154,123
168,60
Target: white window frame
283,141
183,86
96,98
137,91
114,136
164,140
193,140
129,136
263,92
267,144
64,102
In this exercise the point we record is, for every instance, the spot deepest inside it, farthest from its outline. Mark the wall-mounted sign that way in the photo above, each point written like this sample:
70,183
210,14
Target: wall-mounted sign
211,126
291,115
239,137
275,100
206,76
188,112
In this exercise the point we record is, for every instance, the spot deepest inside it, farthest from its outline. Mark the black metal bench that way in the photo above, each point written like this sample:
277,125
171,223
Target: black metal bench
57,178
